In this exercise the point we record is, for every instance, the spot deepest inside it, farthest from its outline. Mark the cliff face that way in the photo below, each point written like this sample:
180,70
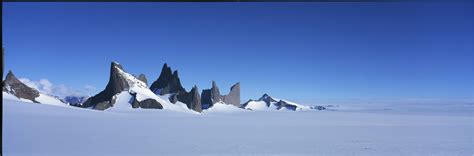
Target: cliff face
191,99
234,95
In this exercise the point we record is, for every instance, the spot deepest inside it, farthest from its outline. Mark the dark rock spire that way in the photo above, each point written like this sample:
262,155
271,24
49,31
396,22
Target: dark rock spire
168,82
105,99
191,99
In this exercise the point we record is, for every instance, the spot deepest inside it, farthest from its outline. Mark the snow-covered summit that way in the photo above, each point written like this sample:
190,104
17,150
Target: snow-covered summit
266,102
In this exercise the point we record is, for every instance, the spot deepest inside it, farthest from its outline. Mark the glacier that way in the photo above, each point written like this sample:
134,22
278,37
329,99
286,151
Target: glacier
38,129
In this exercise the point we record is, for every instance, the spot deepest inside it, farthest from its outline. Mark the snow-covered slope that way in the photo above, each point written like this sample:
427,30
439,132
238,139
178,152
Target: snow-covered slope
34,129
50,100
42,99
221,107
9,96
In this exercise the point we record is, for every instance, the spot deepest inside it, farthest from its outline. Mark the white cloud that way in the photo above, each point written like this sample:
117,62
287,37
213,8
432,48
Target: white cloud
89,88
46,86
61,90
29,83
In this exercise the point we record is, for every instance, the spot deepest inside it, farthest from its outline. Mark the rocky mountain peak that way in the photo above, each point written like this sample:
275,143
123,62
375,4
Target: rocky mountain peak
267,98
12,85
117,83
168,82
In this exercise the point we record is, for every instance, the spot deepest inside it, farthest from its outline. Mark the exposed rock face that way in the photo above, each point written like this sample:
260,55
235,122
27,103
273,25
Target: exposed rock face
267,99
283,104
215,93
106,98
173,98
167,82
318,107
15,87
212,96
191,99
206,100
234,96
147,103
142,78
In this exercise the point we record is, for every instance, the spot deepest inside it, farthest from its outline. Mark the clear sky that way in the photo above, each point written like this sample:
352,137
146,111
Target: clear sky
299,51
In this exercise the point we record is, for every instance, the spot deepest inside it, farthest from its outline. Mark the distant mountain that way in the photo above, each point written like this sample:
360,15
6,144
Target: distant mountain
267,102
126,87
16,90
75,100
124,91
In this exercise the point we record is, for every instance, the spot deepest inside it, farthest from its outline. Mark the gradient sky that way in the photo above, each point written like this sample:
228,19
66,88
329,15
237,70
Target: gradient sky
298,51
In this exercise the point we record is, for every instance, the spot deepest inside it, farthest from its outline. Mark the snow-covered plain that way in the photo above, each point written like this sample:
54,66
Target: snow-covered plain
38,129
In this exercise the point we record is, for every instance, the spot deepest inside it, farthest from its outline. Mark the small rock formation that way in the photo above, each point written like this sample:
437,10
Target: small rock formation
191,99
147,103
167,82
283,104
173,98
17,88
318,107
212,96
142,78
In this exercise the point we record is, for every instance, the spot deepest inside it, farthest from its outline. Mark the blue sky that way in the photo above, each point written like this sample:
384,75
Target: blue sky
299,51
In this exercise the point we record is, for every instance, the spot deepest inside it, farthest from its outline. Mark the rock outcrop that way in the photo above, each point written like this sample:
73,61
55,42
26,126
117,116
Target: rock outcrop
234,96
147,103
191,99
167,82
206,100
212,96
267,99
17,88
283,104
